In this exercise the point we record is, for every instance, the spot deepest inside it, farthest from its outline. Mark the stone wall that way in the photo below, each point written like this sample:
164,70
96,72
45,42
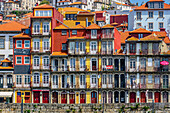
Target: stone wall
83,108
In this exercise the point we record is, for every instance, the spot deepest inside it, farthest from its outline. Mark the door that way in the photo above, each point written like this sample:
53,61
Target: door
165,97
72,98
122,97
64,98
143,97
104,99
18,97
55,97
45,97
36,97
132,97
110,97
27,97
116,96
82,98
94,64
94,97
157,97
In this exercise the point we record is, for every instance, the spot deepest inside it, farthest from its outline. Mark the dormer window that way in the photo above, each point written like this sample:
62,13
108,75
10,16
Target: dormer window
161,5
151,4
140,36
93,34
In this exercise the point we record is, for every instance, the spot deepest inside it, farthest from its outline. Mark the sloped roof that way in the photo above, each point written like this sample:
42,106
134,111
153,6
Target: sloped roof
77,3
43,6
6,60
22,35
72,9
12,26
155,1
145,7
61,27
151,37
160,33
76,37
167,40
114,23
93,26
140,30
132,39
124,36
78,27
108,26
59,54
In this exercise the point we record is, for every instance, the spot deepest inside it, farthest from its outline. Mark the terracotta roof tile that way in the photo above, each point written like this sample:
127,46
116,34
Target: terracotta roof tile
132,39
140,30
121,4
6,60
76,37
93,26
167,40
108,26
43,6
10,67
166,53
41,17
22,35
160,33
11,26
100,12
59,54
77,3
113,24
78,27
74,9
11,15
152,37
124,36
156,1
144,7
62,27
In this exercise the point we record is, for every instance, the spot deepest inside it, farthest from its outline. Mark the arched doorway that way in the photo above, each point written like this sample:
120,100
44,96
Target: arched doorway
82,97
132,97
104,97
55,97
116,81
165,97
72,98
63,98
93,97
143,97
110,97
157,97
122,97
116,96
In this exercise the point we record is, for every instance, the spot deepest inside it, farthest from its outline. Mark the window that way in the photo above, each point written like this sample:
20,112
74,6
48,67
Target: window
19,43
150,26
36,28
138,14
138,25
143,62
72,62
82,62
132,47
11,42
149,61
46,44
93,46
36,78
19,79
74,32
110,46
89,23
64,47
104,46
132,63
45,78
26,60
157,62
46,61
149,95
110,61
1,58
161,5
2,43
36,13
93,33
143,79
36,60
94,79
27,79
64,32
26,43
19,60
55,79
151,4
46,27
132,80
104,79
72,46
150,14
71,17
157,79
161,14
77,23
10,58
82,79
36,45
110,77
149,78
82,46
104,63
161,25
140,36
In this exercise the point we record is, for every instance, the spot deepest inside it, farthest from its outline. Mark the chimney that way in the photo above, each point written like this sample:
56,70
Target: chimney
162,29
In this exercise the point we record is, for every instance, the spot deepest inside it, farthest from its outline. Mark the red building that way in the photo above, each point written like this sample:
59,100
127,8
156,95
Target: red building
119,19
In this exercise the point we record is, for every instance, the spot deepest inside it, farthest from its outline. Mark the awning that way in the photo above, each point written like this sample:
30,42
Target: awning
6,94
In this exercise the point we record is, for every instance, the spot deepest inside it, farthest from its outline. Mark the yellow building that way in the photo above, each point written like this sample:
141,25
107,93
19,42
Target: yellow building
74,16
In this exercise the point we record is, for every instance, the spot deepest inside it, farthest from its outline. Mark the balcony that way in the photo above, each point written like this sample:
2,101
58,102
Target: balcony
42,33
145,52
40,67
156,52
100,18
82,68
76,51
157,69
107,35
89,36
142,69
41,50
72,68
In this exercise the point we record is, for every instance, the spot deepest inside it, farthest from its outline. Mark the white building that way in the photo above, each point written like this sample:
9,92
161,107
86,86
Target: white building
7,31
153,15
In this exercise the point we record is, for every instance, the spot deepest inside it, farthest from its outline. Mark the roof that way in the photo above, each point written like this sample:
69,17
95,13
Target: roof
93,26
166,53
12,26
99,12
59,54
9,67
41,17
70,9
132,39
11,15
140,30
77,3
43,6
76,37
120,15
108,26
6,60
167,40
22,35
152,37
124,36
84,13
30,14
145,7
160,33
61,27
78,27
121,4
114,23
155,1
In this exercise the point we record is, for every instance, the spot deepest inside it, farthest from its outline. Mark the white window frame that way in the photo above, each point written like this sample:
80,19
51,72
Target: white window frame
93,34
104,81
19,79
17,59
45,79
36,79
19,43
74,32
55,81
94,81
10,42
82,81
46,45
3,43
46,62
26,43
91,62
93,49
25,59
36,28
35,62
72,47
72,64
27,79
47,29
149,79
36,45
82,47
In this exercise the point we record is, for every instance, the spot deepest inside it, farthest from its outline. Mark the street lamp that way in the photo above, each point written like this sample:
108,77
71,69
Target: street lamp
22,105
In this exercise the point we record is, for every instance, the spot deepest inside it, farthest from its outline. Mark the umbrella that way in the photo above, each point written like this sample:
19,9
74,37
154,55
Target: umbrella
164,63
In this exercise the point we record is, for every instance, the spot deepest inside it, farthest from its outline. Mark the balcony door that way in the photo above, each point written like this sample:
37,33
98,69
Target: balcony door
94,64
9,81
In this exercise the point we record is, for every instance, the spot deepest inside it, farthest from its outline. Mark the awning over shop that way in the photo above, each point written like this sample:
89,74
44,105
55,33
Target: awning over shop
6,94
